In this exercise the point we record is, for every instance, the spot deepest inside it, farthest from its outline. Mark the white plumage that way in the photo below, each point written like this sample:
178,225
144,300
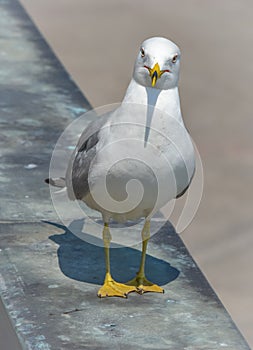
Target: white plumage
132,161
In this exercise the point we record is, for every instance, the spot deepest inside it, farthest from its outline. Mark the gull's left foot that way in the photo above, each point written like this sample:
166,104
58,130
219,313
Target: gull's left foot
112,288
144,286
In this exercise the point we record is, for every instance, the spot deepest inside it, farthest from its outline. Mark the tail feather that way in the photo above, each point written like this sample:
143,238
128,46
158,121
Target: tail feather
56,181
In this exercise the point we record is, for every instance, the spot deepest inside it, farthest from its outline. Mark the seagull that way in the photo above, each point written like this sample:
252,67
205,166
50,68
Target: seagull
132,161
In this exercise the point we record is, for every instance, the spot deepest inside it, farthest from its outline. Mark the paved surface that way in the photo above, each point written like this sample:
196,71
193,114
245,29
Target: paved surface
51,279
8,337
26,106
96,44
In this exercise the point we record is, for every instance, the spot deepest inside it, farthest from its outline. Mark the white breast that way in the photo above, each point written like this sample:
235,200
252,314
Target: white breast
135,170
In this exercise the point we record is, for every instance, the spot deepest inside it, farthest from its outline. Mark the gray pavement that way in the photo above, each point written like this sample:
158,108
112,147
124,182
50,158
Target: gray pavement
52,277
97,41
8,337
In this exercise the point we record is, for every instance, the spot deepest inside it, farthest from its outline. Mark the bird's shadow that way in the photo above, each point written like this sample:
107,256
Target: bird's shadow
83,261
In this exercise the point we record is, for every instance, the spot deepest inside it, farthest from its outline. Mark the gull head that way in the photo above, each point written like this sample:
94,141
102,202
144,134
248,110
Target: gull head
157,64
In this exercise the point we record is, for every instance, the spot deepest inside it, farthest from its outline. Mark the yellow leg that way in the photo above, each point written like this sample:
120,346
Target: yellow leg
140,281
110,287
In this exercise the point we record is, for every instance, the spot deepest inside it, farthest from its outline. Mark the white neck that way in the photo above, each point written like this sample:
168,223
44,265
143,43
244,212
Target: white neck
165,100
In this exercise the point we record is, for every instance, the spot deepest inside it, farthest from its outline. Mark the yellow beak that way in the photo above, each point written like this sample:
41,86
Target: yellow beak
155,73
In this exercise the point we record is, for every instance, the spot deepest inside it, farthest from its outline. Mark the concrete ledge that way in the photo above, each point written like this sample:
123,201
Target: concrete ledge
48,276
50,282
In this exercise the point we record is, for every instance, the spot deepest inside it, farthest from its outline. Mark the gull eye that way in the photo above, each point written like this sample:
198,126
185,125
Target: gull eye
142,52
174,58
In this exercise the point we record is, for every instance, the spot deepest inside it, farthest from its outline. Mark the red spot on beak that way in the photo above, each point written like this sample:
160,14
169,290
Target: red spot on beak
163,71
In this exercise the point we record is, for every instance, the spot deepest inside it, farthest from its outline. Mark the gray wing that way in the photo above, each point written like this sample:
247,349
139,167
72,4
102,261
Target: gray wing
186,188
79,164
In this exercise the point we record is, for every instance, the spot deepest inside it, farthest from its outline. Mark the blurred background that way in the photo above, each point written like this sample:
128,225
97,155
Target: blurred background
97,41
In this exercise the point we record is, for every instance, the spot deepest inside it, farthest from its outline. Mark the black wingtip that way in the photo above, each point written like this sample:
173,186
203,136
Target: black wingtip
56,182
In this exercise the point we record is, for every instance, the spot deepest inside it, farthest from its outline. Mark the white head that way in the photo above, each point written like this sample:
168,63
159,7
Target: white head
157,64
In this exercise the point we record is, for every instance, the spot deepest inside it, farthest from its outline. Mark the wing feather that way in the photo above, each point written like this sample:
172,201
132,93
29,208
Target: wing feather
79,164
